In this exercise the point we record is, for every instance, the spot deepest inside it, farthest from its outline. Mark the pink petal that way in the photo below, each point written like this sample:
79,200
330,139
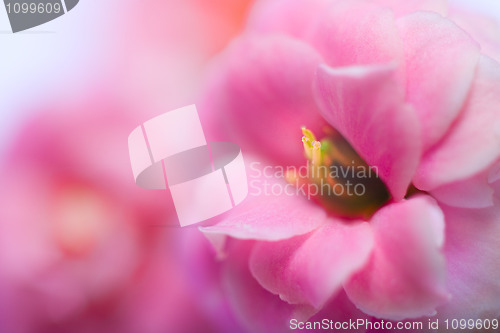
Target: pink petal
472,249
473,142
401,8
494,179
494,173
405,276
366,105
310,269
195,257
345,32
340,309
474,192
440,65
293,18
484,29
357,33
259,95
256,308
272,211
270,218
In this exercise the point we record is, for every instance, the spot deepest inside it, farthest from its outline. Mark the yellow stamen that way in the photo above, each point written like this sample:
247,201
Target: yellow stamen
308,134
307,147
312,147
336,168
316,153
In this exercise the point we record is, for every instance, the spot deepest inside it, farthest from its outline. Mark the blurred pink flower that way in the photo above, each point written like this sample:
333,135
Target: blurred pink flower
172,43
416,97
78,248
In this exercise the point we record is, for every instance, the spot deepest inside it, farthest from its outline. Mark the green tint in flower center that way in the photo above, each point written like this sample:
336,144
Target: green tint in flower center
344,183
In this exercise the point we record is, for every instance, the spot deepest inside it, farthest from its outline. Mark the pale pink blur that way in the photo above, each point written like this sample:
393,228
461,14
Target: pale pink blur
82,248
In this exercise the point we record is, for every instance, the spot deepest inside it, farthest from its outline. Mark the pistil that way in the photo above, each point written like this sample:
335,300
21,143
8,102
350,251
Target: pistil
344,183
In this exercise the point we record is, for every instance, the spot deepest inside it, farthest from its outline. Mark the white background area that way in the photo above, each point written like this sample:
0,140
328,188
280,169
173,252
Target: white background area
39,62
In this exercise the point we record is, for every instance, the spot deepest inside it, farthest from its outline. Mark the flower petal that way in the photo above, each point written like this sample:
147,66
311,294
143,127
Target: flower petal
484,29
310,269
472,249
440,65
293,18
261,88
366,105
339,310
345,32
357,33
473,143
270,218
401,8
256,308
405,276
474,192
494,173
272,211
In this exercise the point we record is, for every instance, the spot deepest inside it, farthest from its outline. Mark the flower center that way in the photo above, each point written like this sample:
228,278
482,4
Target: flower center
338,178
81,218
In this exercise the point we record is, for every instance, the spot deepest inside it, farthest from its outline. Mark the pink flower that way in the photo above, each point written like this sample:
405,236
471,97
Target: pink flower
417,98
79,250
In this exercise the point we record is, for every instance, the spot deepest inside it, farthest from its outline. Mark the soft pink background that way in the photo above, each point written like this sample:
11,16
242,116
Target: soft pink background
79,250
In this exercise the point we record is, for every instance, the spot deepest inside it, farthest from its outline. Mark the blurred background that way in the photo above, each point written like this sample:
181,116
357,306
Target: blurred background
81,247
